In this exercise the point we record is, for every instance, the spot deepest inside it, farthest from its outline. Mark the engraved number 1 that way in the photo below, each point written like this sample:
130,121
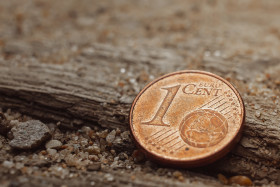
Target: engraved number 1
157,119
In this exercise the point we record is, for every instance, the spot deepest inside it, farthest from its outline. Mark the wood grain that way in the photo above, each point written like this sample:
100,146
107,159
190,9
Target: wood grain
97,87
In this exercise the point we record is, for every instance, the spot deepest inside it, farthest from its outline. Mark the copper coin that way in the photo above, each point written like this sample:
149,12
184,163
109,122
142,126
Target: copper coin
187,118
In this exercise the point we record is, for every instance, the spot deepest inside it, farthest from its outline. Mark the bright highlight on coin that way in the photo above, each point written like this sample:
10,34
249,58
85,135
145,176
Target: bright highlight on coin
187,118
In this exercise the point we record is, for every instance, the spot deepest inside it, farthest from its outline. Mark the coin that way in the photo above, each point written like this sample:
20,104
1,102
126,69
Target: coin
187,118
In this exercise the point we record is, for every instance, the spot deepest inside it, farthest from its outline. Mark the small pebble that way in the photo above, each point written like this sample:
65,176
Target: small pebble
177,174
72,160
59,171
111,136
222,179
19,165
51,152
52,127
53,144
103,134
93,157
94,166
257,106
44,152
94,149
258,114
14,122
86,129
8,164
123,156
181,178
92,183
217,53
84,142
113,151
241,180
125,135
122,70
118,131
109,177
29,134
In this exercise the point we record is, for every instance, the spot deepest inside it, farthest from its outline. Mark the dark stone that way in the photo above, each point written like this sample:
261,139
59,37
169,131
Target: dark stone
29,135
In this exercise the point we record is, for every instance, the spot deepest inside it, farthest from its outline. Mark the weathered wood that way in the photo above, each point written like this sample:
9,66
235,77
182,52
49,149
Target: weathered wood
122,178
98,85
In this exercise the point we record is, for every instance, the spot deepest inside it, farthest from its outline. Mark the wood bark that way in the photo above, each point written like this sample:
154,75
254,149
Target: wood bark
98,85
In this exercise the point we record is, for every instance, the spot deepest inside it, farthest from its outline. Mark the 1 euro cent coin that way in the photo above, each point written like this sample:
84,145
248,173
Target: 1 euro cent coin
187,118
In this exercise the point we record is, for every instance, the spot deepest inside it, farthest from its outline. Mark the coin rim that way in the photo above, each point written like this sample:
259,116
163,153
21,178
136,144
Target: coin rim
193,162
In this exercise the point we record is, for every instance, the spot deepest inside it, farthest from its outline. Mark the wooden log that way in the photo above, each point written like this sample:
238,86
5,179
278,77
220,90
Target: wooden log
98,86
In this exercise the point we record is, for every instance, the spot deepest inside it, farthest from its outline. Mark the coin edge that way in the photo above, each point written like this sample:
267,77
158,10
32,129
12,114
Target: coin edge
195,162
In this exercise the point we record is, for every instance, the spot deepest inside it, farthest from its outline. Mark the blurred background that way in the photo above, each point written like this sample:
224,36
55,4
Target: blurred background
54,30
238,40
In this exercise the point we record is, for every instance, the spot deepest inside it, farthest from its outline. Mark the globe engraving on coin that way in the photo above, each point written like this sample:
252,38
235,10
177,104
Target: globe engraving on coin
203,128
187,118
